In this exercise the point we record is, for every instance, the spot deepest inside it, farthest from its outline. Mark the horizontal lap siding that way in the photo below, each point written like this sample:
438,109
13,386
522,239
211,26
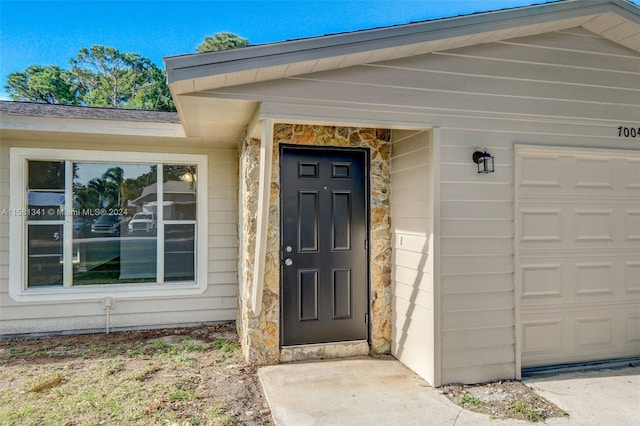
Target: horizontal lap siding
570,88
478,319
412,261
4,224
217,303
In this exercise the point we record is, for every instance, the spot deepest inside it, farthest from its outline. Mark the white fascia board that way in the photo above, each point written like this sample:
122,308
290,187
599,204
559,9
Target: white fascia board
189,67
106,127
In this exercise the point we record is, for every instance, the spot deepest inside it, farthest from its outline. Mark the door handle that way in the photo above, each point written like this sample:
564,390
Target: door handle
288,261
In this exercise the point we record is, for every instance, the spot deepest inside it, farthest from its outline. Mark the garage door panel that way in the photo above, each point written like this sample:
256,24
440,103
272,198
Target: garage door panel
631,175
577,224
632,276
541,280
540,172
594,278
541,224
594,333
578,254
632,225
593,225
633,330
565,336
576,277
543,337
550,173
593,173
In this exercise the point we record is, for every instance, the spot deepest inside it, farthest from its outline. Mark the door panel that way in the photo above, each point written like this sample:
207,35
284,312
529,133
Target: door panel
324,244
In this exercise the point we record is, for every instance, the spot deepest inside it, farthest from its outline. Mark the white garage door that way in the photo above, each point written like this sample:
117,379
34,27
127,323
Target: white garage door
577,254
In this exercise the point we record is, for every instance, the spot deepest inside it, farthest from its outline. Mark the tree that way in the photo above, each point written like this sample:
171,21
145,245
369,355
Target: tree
108,77
103,76
154,94
222,41
49,84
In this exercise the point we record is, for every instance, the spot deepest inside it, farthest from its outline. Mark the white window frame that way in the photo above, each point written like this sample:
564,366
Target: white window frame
17,233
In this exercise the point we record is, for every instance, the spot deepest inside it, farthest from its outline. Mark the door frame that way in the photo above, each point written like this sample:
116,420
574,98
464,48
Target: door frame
367,195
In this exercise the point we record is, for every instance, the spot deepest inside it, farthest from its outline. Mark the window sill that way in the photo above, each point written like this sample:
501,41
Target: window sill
98,292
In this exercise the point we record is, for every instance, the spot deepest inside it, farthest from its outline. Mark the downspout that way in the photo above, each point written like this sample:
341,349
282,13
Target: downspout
262,225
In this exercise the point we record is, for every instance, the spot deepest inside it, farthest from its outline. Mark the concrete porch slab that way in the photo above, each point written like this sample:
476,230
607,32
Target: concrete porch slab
357,391
382,391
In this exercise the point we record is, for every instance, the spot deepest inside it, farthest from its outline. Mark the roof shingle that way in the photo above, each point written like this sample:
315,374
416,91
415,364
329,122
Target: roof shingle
83,112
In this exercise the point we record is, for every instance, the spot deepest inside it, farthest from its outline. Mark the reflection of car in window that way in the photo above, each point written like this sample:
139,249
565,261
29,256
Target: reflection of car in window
107,224
81,227
143,222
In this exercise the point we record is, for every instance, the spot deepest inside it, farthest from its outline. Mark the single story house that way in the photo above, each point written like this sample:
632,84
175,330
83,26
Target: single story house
463,193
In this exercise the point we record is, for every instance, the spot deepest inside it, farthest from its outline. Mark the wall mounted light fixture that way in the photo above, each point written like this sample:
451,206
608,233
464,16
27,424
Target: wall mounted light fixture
484,160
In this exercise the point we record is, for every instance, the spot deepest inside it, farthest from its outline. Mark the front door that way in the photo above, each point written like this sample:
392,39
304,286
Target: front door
324,252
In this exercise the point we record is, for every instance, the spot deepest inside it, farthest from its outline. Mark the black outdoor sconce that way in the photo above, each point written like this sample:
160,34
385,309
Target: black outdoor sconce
484,160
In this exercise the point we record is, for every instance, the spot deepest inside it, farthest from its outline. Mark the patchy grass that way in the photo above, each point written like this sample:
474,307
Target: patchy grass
507,399
185,376
218,415
472,403
521,408
225,346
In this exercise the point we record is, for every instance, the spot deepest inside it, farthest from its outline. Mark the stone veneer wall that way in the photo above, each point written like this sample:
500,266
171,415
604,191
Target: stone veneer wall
248,198
259,335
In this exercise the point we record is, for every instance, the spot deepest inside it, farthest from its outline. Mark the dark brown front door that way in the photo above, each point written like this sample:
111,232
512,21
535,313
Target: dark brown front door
324,252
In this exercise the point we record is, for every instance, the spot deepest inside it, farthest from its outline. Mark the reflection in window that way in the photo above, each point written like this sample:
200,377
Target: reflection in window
112,223
45,195
106,198
179,252
179,195
179,192
44,254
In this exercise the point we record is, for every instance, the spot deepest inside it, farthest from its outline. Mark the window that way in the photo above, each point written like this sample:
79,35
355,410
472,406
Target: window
86,225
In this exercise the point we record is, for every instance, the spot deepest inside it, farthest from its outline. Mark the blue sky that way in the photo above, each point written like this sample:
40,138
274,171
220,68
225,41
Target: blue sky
51,32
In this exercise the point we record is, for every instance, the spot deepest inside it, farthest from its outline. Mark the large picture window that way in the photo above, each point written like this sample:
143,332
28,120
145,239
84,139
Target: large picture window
86,223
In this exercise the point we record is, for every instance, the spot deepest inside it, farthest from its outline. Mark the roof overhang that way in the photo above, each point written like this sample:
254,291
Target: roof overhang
48,128
617,20
224,121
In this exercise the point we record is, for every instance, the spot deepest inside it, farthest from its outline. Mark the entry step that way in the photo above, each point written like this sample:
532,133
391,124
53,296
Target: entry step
324,351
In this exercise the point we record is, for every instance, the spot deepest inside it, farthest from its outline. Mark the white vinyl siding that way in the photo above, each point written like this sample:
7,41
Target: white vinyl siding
217,303
413,327
565,88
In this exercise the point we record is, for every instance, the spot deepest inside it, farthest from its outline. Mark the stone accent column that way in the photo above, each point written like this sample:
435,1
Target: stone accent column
260,334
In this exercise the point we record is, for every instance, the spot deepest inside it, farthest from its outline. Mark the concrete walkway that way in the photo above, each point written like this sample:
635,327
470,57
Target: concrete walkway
382,391
602,397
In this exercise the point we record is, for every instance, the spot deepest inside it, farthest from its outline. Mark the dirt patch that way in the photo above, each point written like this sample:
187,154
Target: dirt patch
508,399
190,376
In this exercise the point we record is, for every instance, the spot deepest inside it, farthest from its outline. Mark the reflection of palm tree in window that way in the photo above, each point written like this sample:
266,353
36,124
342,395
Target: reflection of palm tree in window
115,175
84,198
107,189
